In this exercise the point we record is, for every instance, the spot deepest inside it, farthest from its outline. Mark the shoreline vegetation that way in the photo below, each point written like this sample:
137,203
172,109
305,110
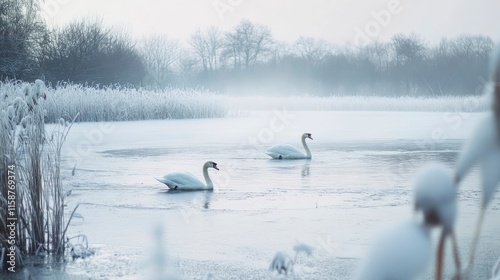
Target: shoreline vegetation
130,104
32,201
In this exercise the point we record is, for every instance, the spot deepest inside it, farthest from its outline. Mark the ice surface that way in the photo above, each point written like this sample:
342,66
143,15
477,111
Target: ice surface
359,181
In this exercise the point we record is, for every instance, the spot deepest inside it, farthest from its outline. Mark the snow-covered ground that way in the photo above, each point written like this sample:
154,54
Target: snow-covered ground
358,181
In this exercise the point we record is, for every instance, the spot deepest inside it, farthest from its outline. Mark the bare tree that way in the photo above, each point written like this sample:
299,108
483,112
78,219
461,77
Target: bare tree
311,49
73,50
409,52
21,32
472,46
199,45
208,47
279,51
248,43
160,55
187,67
408,48
439,63
85,51
378,53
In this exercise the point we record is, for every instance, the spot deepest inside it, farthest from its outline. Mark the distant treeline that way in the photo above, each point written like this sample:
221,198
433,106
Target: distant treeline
245,60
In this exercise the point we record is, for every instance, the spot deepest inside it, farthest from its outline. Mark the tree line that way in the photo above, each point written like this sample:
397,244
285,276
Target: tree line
246,59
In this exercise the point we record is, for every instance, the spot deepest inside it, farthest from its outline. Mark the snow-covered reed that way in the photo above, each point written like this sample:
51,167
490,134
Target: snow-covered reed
363,103
31,190
127,104
123,104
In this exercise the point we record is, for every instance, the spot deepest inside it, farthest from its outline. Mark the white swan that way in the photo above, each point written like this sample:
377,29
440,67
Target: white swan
285,151
186,181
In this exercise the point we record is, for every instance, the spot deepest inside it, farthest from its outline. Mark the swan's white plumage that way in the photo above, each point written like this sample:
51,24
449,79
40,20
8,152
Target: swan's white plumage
401,252
187,181
286,151
182,180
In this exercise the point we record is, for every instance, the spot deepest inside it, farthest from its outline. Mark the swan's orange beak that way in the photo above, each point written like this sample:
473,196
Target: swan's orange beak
310,137
215,167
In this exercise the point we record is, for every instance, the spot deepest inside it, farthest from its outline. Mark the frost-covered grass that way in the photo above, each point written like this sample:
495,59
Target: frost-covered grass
363,103
123,104
131,104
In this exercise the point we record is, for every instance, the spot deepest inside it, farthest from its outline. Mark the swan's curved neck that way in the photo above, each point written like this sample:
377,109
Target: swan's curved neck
308,152
207,177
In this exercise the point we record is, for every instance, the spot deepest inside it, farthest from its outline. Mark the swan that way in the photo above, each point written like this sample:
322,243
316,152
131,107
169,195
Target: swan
186,181
286,151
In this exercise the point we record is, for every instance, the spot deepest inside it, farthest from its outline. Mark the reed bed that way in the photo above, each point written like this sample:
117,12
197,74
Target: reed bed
128,104
32,192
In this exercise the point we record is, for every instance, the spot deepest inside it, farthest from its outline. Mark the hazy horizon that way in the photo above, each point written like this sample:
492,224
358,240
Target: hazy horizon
339,22
383,48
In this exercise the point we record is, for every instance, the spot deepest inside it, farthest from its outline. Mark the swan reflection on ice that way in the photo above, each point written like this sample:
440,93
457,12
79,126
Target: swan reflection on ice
305,170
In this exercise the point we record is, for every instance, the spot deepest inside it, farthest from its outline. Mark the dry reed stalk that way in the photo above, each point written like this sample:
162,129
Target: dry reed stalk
25,143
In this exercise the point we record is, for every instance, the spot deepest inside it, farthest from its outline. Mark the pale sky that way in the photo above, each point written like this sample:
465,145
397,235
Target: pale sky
337,21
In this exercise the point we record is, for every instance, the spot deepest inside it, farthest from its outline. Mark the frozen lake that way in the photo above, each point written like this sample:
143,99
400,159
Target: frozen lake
358,181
